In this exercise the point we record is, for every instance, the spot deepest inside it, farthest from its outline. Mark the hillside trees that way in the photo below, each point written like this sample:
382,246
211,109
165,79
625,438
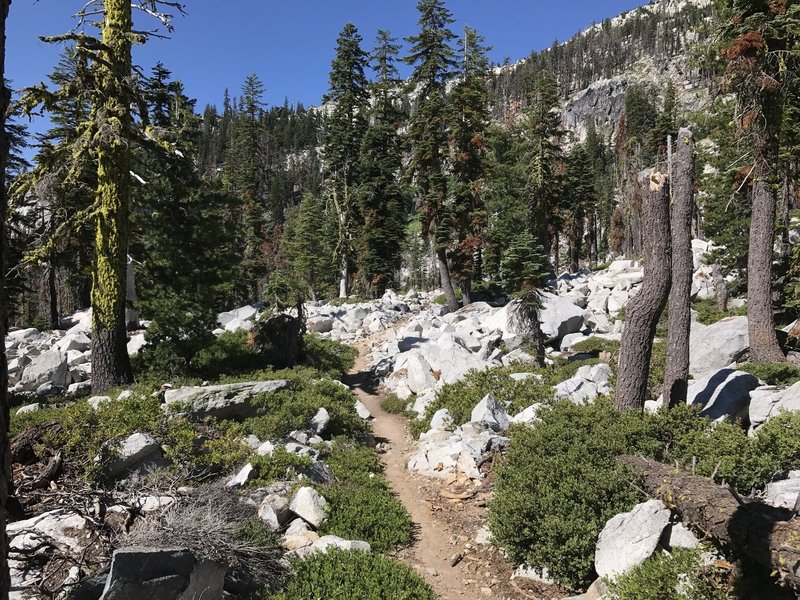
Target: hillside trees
382,198
5,454
344,130
761,52
468,118
434,61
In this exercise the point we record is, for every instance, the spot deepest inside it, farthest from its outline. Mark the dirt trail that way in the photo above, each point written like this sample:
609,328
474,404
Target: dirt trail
444,550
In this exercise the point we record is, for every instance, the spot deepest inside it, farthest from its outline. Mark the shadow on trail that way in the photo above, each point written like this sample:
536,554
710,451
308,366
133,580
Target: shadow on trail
364,380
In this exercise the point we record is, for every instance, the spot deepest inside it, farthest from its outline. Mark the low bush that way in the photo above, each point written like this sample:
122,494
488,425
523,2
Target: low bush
461,397
559,485
394,405
561,481
708,313
362,506
229,354
353,576
596,345
677,576
328,356
278,466
282,412
773,373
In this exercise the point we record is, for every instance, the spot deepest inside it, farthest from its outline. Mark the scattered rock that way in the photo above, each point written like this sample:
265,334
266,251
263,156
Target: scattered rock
231,401
309,505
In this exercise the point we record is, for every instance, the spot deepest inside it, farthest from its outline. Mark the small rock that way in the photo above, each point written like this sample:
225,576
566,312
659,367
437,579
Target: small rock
309,505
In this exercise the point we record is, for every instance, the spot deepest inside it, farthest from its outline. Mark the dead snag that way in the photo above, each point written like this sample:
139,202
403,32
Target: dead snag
644,310
676,374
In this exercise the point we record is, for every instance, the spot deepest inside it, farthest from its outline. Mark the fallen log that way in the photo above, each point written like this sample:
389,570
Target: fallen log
756,532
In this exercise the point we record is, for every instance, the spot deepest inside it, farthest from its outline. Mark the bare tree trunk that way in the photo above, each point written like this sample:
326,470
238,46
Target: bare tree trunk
720,289
52,293
644,310
762,534
5,453
761,320
466,292
444,279
676,375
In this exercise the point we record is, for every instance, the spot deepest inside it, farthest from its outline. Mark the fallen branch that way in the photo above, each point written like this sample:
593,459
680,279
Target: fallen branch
762,534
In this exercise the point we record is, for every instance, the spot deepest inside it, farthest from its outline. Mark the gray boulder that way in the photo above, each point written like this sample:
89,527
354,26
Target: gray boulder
629,539
560,317
724,394
309,505
320,421
48,367
162,574
717,346
784,493
768,401
491,413
135,452
231,401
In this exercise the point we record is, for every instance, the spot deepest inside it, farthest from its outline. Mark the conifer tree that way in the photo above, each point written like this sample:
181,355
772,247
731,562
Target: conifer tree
306,247
344,131
6,480
382,197
468,121
761,51
434,63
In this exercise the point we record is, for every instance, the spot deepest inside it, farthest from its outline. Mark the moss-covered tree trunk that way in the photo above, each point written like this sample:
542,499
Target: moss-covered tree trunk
5,454
112,126
645,309
676,374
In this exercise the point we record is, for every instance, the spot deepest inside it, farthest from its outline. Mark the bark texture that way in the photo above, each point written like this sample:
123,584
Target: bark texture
645,308
762,534
676,374
760,317
112,123
445,280
5,453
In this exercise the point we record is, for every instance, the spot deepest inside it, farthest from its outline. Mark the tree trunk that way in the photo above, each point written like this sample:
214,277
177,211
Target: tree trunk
592,239
676,374
761,321
5,454
720,289
444,279
645,308
466,291
759,533
52,293
110,363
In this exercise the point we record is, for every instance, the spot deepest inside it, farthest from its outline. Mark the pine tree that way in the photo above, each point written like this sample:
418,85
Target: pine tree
382,197
434,63
344,131
580,197
244,174
761,50
6,480
306,248
468,121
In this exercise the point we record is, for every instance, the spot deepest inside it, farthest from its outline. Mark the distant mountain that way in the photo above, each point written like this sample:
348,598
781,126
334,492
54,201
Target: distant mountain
650,44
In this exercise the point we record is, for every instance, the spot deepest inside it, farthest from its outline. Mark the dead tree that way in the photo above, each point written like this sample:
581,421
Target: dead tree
645,309
5,454
676,375
761,534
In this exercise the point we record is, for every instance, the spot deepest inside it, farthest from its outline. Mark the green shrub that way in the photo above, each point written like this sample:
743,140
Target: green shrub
229,354
677,576
773,373
394,405
461,397
328,356
561,483
362,506
201,455
282,412
708,313
344,575
596,345
278,466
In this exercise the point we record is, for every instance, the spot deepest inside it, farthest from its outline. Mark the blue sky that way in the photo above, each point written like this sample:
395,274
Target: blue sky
290,43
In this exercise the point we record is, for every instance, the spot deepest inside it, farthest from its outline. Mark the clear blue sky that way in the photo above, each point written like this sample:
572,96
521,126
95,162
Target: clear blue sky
289,43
